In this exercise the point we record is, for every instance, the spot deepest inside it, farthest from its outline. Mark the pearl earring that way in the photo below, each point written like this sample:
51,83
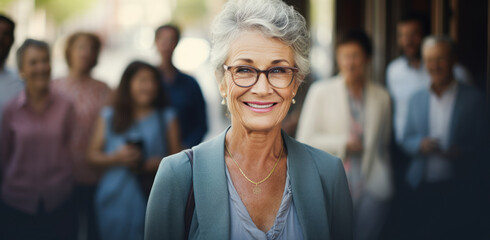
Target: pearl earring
223,102
293,101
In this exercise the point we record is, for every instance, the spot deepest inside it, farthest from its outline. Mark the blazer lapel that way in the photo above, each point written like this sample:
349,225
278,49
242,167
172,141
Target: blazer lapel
343,103
211,189
424,105
370,127
307,189
457,107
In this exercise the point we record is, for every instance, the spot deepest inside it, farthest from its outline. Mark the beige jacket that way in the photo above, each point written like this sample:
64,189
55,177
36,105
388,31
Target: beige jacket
324,123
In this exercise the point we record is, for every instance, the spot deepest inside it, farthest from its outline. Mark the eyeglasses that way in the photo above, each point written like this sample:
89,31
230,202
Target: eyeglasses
247,76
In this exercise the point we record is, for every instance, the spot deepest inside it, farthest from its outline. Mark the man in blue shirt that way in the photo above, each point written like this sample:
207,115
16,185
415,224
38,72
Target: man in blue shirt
183,90
10,83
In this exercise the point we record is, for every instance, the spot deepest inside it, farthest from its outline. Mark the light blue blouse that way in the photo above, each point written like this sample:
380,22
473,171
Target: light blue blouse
119,201
286,225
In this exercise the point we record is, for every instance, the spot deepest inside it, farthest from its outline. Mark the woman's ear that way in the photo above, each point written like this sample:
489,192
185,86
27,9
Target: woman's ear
220,79
297,83
222,88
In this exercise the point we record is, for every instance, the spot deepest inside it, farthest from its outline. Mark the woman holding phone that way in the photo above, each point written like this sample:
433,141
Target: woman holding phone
129,140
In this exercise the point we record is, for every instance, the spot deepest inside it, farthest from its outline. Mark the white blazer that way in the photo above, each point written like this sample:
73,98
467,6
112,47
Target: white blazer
324,123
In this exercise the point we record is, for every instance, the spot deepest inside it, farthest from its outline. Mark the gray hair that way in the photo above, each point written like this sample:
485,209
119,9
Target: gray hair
27,44
433,40
273,18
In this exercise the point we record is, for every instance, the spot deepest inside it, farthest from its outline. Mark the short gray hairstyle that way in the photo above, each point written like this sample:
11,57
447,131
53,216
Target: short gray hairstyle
433,40
273,18
27,44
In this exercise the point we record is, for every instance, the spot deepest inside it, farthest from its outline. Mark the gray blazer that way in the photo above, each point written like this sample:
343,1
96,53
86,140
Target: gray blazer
319,186
468,131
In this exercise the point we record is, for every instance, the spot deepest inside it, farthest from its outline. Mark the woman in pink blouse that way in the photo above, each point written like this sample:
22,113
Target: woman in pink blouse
36,164
89,96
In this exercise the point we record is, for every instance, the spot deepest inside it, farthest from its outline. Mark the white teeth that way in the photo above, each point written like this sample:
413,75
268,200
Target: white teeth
260,106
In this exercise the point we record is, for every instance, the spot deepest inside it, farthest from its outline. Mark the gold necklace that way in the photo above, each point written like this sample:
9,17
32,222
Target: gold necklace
256,189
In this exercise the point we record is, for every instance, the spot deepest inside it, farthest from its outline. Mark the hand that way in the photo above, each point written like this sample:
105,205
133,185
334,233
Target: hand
128,155
151,165
354,145
452,153
429,145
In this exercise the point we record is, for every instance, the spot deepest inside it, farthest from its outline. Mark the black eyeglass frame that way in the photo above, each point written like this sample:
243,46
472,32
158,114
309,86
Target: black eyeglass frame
266,72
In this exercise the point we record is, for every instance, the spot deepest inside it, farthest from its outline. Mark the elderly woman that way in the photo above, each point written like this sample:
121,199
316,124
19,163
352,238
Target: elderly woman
89,96
36,163
253,181
349,116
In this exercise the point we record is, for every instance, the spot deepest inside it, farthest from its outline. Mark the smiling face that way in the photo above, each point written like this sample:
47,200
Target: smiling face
143,88
352,61
260,107
83,54
166,41
410,36
36,69
439,63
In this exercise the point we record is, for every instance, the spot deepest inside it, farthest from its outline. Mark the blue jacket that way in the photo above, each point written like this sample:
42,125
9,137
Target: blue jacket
319,186
468,130
187,99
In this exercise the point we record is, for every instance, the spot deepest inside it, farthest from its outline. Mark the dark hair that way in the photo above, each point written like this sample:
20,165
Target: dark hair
417,17
169,26
27,44
94,39
123,102
357,36
4,18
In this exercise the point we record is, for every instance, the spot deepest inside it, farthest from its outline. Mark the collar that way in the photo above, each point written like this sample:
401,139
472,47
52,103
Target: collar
175,80
407,62
450,90
212,198
22,98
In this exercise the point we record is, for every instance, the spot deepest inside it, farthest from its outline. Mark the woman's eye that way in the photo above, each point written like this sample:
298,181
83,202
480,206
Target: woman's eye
243,70
278,70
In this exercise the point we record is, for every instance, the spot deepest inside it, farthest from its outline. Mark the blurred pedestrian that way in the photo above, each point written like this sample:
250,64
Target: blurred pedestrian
445,135
407,74
89,96
183,90
10,82
37,168
350,116
129,140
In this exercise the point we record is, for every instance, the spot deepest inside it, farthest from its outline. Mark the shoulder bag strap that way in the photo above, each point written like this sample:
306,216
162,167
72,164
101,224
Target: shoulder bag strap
191,204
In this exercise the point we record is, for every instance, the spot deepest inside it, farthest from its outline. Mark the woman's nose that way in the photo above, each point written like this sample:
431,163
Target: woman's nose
262,86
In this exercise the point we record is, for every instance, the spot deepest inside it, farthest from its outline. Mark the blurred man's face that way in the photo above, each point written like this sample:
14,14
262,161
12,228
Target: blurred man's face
6,40
439,63
352,61
166,41
410,38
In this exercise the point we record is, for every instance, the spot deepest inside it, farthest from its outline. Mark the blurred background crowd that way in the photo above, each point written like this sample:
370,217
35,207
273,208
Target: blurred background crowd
93,94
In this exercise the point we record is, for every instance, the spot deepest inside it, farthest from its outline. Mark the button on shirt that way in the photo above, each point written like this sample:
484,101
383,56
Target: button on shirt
440,115
36,165
286,224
